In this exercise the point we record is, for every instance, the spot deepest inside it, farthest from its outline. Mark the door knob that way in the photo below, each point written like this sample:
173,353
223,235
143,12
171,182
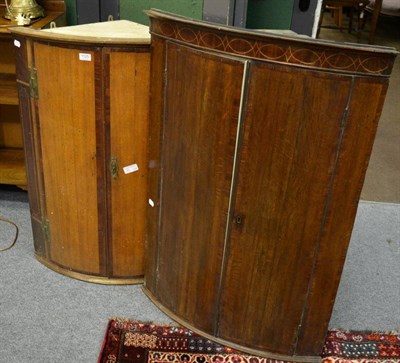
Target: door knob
304,5
114,167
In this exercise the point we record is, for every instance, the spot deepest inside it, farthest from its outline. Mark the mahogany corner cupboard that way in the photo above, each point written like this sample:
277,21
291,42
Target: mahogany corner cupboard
84,110
259,147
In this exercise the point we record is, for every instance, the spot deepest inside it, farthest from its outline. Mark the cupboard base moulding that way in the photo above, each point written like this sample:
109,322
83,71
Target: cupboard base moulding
88,278
260,353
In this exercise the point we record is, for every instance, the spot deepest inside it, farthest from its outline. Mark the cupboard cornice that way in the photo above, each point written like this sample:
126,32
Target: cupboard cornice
270,46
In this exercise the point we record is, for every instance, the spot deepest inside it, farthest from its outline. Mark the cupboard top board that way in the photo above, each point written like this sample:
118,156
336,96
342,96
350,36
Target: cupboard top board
111,32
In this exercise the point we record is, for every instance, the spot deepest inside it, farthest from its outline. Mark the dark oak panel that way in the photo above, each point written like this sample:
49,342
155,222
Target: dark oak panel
282,192
154,159
253,223
204,107
359,133
31,152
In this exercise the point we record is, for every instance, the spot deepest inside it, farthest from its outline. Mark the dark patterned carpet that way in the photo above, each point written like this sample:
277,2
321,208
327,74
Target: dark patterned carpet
128,342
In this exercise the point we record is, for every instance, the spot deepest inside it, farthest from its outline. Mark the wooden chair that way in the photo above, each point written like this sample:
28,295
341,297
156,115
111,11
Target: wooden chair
354,6
384,7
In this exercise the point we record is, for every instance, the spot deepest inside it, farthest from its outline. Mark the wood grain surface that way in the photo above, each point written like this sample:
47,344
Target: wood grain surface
199,135
357,141
68,144
154,167
253,221
91,108
287,164
128,123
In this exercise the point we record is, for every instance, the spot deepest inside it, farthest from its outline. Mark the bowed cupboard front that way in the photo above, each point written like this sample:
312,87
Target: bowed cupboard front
259,145
84,94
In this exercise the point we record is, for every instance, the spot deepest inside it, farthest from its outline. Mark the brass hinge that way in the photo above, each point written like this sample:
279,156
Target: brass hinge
33,82
46,230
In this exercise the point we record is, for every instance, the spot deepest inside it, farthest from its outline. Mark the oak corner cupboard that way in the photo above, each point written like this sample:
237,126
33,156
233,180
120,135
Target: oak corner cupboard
260,143
84,100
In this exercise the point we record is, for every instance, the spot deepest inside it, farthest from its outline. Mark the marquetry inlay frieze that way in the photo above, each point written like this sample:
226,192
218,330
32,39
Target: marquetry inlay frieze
294,51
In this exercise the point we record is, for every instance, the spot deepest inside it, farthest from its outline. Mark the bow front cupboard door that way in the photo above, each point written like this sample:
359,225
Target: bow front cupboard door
259,151
84,104
199,134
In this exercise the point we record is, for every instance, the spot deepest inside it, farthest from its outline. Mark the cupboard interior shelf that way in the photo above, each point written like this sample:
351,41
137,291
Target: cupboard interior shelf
12,166
8,90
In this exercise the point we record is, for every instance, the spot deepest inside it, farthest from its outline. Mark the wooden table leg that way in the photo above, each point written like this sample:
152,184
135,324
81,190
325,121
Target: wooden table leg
374,20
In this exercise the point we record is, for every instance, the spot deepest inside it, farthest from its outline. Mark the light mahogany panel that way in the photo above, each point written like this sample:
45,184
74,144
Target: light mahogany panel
128,144
68,139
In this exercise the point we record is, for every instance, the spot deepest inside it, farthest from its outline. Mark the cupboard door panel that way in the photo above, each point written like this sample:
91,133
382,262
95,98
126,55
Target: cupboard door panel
346,189
282,194
32,150
203,93
153,179
68,139
128,139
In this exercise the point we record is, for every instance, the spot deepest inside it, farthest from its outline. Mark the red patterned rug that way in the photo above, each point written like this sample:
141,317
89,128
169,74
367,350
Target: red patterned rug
128,342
